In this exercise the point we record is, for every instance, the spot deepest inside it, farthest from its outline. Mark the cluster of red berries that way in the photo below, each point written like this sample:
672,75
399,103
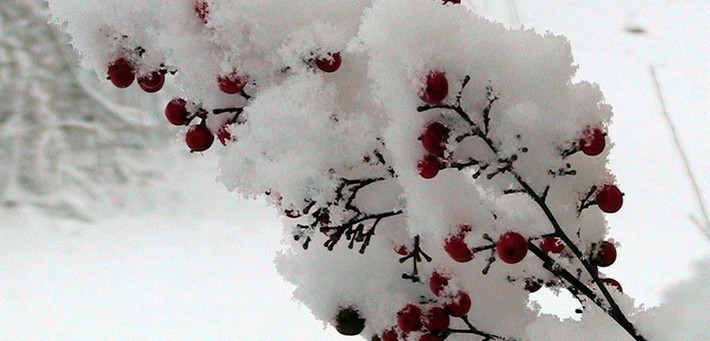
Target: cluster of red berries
435,136
198,137
431,319
122,73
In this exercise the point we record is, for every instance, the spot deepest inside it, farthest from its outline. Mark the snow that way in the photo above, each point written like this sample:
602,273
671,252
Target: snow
175,266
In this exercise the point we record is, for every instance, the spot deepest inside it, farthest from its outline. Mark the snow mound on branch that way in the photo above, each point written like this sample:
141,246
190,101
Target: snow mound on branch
338,153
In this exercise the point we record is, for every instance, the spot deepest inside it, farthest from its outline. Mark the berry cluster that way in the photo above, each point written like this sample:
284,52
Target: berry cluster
571,264
122,73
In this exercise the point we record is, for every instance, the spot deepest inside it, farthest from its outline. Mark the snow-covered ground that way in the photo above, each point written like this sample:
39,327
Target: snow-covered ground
187,260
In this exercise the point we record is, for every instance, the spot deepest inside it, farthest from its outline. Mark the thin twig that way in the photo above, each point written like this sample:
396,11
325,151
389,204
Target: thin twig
704,226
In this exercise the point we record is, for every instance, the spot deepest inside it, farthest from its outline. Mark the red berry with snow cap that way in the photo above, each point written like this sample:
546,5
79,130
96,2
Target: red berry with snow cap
612,282
232,83
428,166
511,247
593,142
121,73
457,248
390,335
436,320
459,305
152,82
436,88
331,63
437,283
552,245
199,138
409,318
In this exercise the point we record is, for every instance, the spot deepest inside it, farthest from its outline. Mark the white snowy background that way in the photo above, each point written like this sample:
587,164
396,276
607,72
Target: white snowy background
183,259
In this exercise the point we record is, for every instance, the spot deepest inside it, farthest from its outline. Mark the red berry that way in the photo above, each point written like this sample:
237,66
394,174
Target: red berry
202,10
152,82
293,214
175,111
459,305
330,63
232,83
609,198
402,250
199,138
121,73
430,337
532,285
434,138
612,282
606,254
409,318
552,245
457,248
223,133
593,142
437,283
390,335
512,247
436,320
429,166
436,88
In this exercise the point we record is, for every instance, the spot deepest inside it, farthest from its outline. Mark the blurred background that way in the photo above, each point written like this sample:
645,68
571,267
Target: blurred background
110,229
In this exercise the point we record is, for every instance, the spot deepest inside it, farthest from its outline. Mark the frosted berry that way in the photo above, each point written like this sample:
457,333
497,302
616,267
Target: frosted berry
428,166
121,73
176,112
552,245
511,247
593,142
609,198
430,337
606,254
532,285
409,318
199,138
402,250
612,282
293,214
232,83
434,138
349,322
459,305
152,82
437,283
436,88
436,320
223,133
390,335
330,63
457,248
